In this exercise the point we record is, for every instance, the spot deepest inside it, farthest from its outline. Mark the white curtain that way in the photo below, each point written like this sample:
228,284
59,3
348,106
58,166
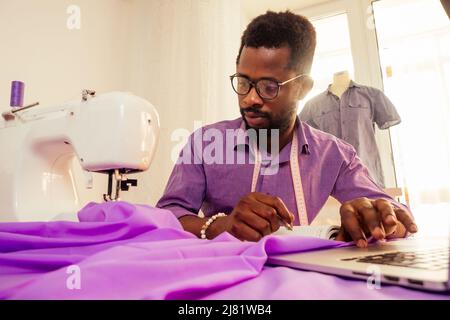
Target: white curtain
182,52
416,60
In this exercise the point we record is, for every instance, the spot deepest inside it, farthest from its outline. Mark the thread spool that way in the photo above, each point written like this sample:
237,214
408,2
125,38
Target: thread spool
17,94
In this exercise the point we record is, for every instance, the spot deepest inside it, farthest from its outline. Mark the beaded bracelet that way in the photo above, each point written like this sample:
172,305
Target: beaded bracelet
208,223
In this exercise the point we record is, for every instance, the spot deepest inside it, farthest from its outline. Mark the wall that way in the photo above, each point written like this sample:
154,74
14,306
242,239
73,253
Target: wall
57,63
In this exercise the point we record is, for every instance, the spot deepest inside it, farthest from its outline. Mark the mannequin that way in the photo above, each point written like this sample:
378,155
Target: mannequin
341,81
337,109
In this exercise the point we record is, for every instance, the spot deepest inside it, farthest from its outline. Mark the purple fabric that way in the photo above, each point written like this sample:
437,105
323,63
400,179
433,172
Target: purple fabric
127,251
329,166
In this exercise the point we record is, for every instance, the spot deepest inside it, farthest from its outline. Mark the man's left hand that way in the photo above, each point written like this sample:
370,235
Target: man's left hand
362,218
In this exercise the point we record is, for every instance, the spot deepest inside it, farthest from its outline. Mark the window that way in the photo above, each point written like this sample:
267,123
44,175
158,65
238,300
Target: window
333,53
415,60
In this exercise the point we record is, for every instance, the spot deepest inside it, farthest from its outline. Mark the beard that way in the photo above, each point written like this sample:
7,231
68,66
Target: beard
279,122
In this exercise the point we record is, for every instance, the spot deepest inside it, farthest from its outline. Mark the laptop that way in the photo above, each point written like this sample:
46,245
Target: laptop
416,262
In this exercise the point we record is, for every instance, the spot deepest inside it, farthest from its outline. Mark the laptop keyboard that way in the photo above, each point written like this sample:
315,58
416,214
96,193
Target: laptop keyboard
432,259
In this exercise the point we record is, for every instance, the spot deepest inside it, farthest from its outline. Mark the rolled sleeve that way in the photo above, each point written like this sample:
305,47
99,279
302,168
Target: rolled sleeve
385,114
185,190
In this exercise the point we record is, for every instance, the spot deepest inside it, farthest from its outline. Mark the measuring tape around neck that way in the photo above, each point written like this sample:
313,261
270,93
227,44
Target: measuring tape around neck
296,178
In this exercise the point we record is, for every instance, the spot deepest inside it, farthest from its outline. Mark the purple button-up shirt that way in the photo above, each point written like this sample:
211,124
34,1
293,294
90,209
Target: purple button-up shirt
328,165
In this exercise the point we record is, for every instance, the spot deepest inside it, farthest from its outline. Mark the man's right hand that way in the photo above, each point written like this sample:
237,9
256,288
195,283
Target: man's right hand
255,216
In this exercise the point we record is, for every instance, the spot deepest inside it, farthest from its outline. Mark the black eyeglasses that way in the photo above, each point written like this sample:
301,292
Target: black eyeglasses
266,88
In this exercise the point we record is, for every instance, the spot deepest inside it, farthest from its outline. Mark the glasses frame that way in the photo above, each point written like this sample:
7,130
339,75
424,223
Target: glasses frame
253,84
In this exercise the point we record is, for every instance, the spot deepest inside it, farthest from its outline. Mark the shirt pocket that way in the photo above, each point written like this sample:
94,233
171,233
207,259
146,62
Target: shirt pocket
359,111
327,119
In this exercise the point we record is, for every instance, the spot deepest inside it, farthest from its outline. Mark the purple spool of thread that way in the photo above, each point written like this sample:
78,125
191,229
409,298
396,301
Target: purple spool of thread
17,92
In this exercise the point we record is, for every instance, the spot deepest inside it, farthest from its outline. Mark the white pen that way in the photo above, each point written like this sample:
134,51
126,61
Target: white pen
285,224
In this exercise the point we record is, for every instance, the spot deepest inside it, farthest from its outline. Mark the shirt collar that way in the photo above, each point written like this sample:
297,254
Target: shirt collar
243,139
351,85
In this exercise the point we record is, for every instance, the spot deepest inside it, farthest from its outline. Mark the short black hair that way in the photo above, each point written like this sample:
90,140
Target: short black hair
276,30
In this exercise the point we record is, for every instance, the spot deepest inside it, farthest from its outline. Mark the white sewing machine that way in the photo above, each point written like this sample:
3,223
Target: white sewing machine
114,133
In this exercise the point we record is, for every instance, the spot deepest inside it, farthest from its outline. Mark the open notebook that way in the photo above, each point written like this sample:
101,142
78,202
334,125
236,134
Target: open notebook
323,232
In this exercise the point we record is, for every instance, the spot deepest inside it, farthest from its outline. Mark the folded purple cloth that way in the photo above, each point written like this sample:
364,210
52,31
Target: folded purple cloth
120,250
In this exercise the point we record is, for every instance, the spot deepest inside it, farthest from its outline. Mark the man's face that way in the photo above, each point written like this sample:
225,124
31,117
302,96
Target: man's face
278,113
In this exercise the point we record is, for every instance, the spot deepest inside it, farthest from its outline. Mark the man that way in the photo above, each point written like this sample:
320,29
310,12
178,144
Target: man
272,70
